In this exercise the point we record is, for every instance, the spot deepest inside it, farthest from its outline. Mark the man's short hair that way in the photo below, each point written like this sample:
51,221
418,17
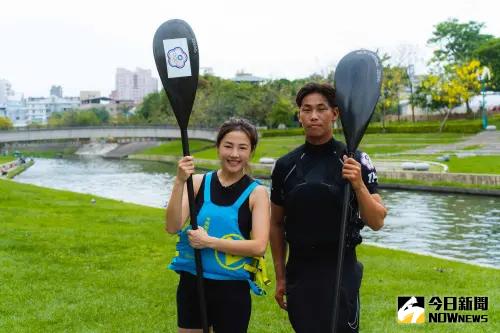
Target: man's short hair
324,89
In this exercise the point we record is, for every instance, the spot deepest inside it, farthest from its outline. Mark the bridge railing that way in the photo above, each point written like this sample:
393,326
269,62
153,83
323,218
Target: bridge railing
95,132
53,128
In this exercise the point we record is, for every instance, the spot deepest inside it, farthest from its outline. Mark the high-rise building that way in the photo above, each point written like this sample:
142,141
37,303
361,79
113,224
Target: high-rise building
133,86
56,91
5,91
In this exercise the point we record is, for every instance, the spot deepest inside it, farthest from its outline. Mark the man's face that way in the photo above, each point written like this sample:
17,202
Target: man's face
317,117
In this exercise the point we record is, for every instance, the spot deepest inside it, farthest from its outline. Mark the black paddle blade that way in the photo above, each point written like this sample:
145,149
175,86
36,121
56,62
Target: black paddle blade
177,59
358,78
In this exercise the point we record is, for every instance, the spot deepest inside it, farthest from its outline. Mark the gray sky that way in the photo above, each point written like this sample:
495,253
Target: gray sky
79,44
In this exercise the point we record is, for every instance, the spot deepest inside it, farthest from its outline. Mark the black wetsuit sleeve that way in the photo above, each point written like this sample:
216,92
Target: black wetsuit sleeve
277,179
368,172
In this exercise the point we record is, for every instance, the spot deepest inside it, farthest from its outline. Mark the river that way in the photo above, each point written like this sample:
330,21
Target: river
462,227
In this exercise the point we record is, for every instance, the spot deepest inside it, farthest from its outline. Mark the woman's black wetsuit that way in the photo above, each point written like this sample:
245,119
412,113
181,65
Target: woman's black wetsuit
308,183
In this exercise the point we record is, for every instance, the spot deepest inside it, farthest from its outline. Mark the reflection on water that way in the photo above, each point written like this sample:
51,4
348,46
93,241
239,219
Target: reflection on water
458,226
145,183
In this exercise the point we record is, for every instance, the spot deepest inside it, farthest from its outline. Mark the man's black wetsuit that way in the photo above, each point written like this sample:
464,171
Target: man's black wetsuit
308,183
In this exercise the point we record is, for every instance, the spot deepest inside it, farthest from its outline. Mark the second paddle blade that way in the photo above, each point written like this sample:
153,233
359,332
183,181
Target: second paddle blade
177,59
358,79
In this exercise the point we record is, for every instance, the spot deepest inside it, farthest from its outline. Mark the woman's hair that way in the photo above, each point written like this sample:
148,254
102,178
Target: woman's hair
238,124
321,88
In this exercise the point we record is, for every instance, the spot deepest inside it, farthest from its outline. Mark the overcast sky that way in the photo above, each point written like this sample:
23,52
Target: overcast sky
79,44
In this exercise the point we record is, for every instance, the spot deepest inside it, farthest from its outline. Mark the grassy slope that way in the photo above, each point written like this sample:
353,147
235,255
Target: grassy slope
5,159
174,147
278,146
475,164
70,265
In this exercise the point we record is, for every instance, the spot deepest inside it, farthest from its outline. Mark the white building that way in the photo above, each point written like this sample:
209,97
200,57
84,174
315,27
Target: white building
37,110
16,111
134,85
89,94
5,91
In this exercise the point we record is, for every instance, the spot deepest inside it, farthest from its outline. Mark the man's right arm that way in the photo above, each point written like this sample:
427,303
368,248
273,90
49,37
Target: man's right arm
278,249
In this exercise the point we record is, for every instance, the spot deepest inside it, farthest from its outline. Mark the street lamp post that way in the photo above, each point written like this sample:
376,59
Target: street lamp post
485,75
411,75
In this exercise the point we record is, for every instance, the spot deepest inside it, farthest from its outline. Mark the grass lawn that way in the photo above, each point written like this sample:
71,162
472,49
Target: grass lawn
174,147
382,180
413,138
471,164
6,159
279,146
475,164
68,265
49,153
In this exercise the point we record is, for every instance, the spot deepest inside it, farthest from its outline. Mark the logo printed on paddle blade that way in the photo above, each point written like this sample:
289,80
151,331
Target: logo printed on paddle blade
178,64
176,56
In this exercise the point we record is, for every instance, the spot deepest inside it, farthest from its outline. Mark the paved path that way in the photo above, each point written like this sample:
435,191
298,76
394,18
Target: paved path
489,142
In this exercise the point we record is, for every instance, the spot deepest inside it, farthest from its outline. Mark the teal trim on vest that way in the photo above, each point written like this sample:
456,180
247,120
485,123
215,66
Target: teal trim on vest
221,222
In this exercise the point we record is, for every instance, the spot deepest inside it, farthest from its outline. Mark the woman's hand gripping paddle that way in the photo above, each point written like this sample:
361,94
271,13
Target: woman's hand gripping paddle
358,78
177,59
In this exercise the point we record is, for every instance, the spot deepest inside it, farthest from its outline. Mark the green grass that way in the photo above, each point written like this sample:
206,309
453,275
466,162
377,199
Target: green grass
472,147
20,169
413,138
383,180
174,147
6,159
279,146
68,265
475,164
49,153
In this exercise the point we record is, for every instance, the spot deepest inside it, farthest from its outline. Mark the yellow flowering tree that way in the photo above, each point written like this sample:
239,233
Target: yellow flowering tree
467,75
5,123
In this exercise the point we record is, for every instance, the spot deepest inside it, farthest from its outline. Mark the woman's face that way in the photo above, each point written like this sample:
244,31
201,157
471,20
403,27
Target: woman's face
234,151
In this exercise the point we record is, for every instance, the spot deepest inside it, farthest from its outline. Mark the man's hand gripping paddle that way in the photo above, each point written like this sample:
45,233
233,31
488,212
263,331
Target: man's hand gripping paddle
177,59
358,78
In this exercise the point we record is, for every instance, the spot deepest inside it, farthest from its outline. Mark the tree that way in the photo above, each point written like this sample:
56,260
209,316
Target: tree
281,113
5,123
489,55
457,41
466,76
441,93
393,81
102,114
86,118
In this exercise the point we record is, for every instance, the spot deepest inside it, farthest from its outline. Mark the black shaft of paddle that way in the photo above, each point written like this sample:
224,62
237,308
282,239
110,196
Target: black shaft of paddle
194,226
340,253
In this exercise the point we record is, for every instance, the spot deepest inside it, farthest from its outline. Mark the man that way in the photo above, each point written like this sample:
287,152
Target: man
306,207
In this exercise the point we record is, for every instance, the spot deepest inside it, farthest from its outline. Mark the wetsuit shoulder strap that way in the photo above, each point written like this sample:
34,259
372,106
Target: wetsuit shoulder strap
237,204
207,189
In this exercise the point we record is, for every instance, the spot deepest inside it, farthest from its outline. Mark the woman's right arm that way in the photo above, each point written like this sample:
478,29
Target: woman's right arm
178,204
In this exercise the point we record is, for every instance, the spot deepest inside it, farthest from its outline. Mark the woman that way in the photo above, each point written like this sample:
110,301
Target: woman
233,218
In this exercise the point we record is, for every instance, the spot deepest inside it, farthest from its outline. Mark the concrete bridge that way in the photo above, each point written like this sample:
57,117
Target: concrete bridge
98,132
